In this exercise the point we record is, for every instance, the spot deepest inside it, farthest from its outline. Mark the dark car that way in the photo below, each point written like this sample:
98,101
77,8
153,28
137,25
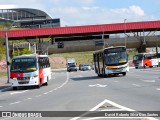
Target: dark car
72,67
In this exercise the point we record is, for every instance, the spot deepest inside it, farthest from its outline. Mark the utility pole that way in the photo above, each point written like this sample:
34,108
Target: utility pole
7,51
125,32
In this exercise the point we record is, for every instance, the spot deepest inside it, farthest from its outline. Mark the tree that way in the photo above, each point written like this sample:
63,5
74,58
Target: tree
21,52
2,47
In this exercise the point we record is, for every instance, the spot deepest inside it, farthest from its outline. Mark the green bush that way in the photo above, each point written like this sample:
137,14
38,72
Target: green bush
2,48
21,52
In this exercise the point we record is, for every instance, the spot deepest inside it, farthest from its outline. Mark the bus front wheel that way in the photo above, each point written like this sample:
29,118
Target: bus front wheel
124,74
15,88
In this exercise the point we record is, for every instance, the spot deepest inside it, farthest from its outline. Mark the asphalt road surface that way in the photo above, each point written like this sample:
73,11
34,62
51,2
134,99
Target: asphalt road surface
83,91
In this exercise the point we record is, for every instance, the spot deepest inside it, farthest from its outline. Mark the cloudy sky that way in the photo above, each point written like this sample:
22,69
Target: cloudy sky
87,12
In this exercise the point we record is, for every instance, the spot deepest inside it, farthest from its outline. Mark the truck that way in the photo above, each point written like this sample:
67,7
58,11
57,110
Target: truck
71,65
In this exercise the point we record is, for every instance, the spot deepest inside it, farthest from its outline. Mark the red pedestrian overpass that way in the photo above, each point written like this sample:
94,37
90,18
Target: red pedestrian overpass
128,27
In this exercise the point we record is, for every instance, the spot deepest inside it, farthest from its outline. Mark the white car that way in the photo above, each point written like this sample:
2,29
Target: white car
85,67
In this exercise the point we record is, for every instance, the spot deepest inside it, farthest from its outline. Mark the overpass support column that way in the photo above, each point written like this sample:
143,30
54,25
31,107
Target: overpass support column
142,49
143,44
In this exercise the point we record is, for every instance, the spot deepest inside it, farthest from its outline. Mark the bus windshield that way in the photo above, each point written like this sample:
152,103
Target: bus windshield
116,58
138,57
23,65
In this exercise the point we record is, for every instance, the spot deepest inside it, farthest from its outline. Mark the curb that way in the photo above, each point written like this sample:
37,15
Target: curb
5,88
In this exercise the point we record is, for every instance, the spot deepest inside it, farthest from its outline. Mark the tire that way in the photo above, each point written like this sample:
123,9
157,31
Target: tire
99,75
124,74
103,73
15,88
136,67
144,66
46,84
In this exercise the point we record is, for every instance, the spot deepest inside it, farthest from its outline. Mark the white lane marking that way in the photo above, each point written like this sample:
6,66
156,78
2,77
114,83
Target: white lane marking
59,86
158,89
51,91
112,110
100,104
29,98
15,103
97,85
1,106
113,104
148,80
64,82
46,93
38,96
18,92
136,85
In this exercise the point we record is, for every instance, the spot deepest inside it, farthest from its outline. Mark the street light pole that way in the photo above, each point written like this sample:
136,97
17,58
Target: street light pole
103,40
7,52
7,56
125,31
102,28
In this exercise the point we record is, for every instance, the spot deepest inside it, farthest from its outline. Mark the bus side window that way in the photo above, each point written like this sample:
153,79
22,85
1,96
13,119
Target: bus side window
45,62
48,64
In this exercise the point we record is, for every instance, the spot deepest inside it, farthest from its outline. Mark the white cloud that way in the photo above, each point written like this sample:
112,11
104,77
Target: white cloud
7,6
137,10
72,2
97,15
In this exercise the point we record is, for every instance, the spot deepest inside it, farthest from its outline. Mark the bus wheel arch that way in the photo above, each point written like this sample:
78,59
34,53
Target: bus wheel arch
40,82
145,65
46,83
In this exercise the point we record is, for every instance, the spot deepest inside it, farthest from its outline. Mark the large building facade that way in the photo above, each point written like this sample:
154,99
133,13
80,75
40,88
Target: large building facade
29,18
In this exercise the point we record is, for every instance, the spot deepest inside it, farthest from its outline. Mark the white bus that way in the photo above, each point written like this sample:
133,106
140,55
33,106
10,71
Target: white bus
143,60
111,61
30,70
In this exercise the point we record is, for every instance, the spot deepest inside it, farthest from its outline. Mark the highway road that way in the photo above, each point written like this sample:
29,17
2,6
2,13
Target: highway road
83,91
